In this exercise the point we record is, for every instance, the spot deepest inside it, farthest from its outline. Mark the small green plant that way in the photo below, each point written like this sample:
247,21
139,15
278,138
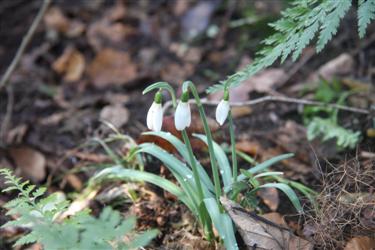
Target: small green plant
297,28
80,231
322,122
250,182
196,188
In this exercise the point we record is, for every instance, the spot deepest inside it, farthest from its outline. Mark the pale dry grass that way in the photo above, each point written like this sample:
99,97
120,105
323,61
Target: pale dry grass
344,205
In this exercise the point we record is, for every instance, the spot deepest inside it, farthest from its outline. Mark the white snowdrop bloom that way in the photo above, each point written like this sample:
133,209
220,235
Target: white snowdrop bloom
182,117
155,114
222,111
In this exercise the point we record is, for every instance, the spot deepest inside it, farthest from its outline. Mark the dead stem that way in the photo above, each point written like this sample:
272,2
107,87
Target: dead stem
270,98
25,41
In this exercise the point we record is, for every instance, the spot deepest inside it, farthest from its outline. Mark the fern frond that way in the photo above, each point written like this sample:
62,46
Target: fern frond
366,13
15,202
26,192
327,129
331,23
11,179
39,192
296,29
27,239
80,231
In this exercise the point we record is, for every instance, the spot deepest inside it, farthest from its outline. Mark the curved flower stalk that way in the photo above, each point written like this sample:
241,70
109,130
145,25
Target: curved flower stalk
222,113
182,119
162,86
233,147
189,85
155,114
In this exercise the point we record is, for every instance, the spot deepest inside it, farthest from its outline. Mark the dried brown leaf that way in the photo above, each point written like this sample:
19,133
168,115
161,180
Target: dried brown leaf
263,234
263,82
105,33
248,147
361,243
71,64
177,73
270,197
30,162
238,112
112,67
116,114
339,66
275,218
56,20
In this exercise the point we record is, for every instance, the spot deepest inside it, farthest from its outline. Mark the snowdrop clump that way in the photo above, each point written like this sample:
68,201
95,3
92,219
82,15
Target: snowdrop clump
182,117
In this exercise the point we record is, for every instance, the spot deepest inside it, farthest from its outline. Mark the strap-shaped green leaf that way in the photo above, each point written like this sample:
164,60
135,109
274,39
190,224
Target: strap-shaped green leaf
182,150
262,166
222,160
267,174
223,224
287,190
118,172
173,164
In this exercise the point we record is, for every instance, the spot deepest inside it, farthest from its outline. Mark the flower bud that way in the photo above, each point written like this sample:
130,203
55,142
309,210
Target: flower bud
182,117
155,114
222,109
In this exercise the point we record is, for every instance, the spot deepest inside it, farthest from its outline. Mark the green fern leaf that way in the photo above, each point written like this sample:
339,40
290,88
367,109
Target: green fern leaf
39,192
27,239
11,188
305,39
296,29
366,13
15,202
28,190
327,129
332,21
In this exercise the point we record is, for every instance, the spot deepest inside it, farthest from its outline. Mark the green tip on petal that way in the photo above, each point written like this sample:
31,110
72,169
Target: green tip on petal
158,97
226,95
185,96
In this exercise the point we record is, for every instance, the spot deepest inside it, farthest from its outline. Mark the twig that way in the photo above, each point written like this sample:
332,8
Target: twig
7,116
25,41
281,99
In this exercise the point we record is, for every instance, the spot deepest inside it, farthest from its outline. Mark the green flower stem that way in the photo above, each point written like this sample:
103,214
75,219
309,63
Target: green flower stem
193,165
203,215
233,146
207,130
162,86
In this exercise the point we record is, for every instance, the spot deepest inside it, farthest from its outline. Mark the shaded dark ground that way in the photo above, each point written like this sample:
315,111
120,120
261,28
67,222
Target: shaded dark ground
90,61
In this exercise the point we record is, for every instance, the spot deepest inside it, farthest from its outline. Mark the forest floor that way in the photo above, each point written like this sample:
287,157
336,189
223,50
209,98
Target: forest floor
89,62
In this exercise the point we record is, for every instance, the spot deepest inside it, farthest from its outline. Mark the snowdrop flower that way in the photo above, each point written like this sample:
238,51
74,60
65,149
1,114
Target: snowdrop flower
155,114
182,117
222,109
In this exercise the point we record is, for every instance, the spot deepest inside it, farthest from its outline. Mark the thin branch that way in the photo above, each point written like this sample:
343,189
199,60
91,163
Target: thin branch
7,117
281,99
25,41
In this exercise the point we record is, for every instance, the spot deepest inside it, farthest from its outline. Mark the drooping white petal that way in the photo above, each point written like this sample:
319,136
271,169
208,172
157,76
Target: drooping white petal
157,119
182,117
188,122
150,115
222,111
